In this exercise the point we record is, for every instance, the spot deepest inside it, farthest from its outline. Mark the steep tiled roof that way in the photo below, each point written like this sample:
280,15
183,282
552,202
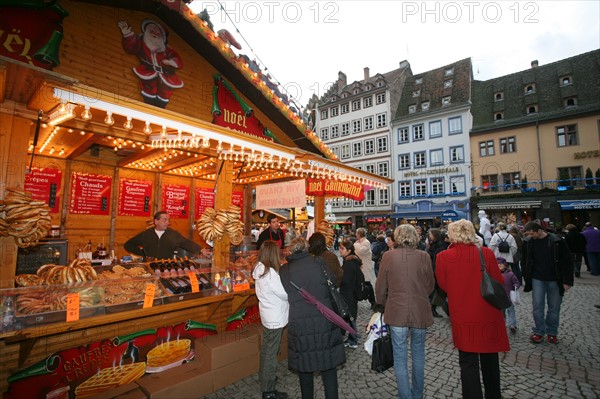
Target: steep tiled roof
549,94
433,88
391,79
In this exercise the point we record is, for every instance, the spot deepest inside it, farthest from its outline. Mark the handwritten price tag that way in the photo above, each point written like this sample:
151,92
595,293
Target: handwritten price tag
194,281
72,306
241,287
149,295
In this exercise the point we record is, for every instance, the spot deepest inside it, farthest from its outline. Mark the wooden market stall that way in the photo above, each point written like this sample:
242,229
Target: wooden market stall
105,138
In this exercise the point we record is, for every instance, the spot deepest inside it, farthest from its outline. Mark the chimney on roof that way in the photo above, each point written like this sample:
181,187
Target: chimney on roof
342,82
534,63
366,70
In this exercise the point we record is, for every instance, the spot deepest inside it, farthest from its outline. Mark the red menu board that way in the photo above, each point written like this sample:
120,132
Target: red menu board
175,200
203,198
134,197
44,185
90,194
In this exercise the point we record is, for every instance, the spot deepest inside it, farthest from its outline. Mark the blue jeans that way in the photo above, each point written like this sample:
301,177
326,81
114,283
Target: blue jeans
542,292
417,348
511,316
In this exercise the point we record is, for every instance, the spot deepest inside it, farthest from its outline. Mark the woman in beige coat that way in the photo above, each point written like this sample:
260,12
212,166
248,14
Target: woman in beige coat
403,286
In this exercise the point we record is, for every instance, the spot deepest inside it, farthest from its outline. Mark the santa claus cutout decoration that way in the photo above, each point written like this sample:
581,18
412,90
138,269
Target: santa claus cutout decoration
158,61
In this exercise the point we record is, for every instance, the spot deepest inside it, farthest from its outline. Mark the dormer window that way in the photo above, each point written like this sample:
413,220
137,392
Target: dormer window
355,91
499,116
570,102
445,100
530,88
566,80
449,72
425,106
416,93
419,81
379,84
447,83
532,109
368,87
499,96
412,109
344,95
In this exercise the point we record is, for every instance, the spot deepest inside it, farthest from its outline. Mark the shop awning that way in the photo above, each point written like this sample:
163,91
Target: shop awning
509,205
579,204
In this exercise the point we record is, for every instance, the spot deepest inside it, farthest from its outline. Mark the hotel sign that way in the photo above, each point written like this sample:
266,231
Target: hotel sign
438,171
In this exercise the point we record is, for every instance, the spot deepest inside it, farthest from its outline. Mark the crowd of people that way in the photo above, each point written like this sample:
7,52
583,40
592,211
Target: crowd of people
408,273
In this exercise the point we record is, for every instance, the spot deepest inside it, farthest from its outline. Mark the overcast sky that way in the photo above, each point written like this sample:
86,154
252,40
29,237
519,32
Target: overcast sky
305,43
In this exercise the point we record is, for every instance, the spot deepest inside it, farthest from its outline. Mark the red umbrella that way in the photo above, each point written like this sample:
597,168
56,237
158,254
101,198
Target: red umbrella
329,313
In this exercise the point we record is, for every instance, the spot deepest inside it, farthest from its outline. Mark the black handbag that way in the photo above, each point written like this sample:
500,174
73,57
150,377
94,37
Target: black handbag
491,290
339,304
383,354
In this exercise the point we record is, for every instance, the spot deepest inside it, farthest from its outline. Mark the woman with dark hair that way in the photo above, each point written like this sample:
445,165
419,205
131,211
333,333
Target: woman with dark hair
437,244
273,307
351,266
314,343
478,329
317,246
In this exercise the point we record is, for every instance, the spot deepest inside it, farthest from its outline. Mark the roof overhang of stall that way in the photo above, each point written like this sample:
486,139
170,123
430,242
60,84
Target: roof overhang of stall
77,117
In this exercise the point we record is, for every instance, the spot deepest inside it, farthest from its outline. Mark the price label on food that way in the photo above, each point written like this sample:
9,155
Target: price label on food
149,295
72,306
241,287
194,281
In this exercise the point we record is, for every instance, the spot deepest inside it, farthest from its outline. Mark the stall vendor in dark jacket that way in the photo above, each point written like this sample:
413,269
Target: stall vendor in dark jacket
272,233
160,242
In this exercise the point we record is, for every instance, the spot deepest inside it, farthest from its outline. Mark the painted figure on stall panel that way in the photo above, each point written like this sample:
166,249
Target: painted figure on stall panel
159,61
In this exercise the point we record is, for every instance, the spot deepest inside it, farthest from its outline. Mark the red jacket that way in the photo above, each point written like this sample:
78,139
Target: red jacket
476,325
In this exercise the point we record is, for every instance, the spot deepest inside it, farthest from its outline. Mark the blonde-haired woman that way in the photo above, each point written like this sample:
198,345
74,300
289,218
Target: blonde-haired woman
478,329
403,286
274,308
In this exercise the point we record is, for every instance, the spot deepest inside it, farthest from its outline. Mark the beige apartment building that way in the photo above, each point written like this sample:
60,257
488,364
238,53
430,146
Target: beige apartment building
535,144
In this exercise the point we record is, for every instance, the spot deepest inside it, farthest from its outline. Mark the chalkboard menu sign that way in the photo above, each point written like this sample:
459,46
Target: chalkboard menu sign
176,200
134,197
90,194
44,185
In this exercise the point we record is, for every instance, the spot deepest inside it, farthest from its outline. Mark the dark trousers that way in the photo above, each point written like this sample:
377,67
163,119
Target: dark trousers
267,373
330,384
469,375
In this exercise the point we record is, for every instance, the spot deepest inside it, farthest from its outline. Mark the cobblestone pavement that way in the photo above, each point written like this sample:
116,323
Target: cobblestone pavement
570,369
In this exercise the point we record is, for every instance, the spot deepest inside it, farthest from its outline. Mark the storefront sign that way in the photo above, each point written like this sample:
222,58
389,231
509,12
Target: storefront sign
322,187
44,185
134,197
128,357
229,110
176,200
281,195
90,194
579,204
587,154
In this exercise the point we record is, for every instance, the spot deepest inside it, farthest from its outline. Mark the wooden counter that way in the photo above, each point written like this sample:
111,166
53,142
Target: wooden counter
25,347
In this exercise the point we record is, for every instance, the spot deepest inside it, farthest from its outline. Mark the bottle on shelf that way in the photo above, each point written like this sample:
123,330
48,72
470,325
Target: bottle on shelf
101,251
8,314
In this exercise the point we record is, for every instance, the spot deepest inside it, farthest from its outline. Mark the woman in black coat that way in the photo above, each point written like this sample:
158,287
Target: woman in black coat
351,267
314,343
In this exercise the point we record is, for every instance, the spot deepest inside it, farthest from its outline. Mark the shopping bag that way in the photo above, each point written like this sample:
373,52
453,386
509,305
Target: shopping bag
383,356
515,296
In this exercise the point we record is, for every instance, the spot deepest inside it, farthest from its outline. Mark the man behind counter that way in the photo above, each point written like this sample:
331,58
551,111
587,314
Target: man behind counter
161,241
272,233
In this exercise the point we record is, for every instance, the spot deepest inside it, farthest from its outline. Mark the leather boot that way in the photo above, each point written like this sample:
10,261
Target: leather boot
274,395
434,311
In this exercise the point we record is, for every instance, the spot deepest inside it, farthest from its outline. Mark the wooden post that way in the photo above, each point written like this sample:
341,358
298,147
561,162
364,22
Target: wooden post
319,210
224,190
14,140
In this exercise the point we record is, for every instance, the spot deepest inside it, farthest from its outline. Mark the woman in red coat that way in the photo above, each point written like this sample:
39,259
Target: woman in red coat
478,328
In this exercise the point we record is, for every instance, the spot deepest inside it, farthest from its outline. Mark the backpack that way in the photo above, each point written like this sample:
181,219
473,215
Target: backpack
503,246
361,291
